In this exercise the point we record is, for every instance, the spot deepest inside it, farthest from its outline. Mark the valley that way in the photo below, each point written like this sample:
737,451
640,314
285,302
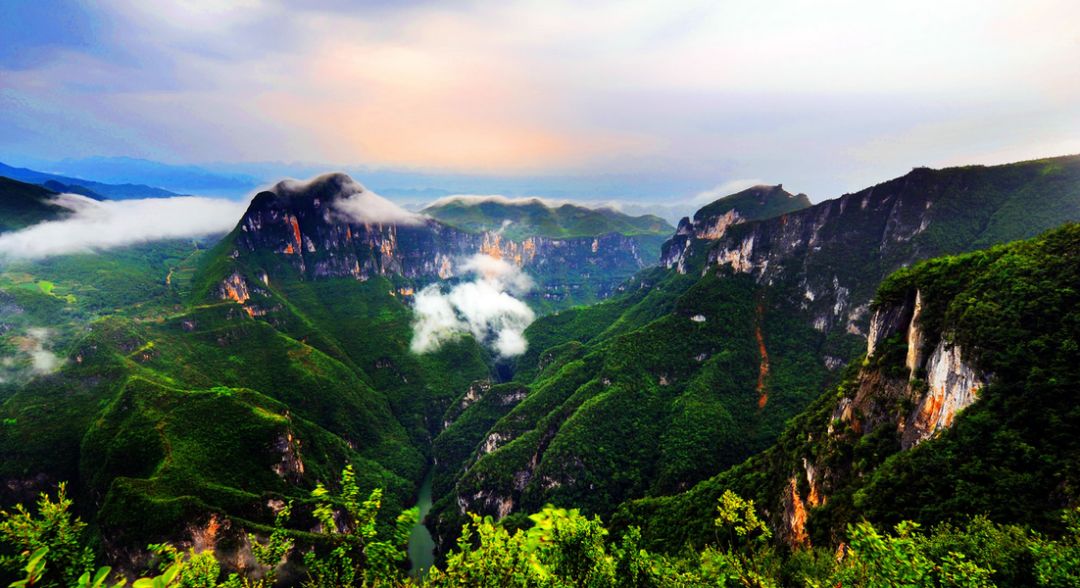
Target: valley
831,362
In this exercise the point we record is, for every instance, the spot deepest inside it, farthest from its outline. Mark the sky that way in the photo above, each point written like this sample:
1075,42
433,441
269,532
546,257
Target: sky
658,101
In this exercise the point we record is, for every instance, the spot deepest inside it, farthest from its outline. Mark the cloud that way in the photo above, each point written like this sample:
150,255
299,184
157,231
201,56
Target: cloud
33,358
485,307
95,226
726,189
822,95
42,361
351,200
369,207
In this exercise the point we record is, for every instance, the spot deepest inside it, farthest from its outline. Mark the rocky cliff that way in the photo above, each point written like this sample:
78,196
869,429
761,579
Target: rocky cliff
333,227
712,222
964,404
830,257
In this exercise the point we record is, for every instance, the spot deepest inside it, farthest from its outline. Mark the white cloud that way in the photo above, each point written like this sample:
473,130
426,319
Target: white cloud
42,361
353,203
485,307
34,357
95,226
726,189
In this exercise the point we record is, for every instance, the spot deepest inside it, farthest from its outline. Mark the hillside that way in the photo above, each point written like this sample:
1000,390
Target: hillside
532,217
965,404
706,361
191,386
22,205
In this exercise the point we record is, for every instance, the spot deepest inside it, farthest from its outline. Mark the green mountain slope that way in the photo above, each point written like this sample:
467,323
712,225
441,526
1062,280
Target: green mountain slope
22,205
991,431
523,218
760,201
695,369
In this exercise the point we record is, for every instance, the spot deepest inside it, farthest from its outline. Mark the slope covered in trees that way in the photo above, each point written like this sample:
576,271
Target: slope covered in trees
693,369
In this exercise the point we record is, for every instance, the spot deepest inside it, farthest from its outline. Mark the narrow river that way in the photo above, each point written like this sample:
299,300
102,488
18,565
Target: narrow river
421,545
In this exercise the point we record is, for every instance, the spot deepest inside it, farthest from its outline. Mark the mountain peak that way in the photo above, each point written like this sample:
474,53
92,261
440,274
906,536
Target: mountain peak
340,198
754,203
329,185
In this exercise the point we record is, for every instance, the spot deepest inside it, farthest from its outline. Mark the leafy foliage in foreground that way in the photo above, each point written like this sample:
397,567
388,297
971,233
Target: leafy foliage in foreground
562,548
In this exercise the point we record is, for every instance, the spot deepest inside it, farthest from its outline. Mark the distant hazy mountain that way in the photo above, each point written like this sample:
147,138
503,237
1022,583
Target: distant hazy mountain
533,217
186,179
110,191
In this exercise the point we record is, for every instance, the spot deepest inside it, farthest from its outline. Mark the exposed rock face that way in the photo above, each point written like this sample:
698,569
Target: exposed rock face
307,229
886,322
291,466
235,288
831,256
915,338
713,221
952,385
794,529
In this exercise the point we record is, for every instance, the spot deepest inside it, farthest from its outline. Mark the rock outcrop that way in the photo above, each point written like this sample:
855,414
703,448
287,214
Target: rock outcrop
334,227
952,384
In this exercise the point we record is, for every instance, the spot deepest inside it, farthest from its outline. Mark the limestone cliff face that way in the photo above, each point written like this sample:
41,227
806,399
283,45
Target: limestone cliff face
831,256
712,222
333,227
938,385
952,385
824,247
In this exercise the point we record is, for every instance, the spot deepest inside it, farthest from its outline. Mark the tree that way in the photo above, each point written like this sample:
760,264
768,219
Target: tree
54,529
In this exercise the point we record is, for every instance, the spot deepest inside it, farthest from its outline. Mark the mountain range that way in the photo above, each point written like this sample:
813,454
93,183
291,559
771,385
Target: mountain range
904,352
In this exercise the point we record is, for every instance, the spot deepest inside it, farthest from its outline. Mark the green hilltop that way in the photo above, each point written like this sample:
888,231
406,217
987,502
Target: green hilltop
533,217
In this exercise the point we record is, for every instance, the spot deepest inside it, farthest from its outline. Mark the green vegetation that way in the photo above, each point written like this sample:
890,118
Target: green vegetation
759,202
642,395
561,548
218,392
1011,455
22,205
534,218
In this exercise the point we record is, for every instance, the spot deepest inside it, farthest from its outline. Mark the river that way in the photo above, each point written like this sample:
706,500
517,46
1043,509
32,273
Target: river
421,544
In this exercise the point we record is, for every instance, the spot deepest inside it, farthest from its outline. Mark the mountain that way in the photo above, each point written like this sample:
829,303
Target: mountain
24,204
705,361
247,374
330,228
965,404
58,187
712,221
828,259
520,219
532,217
188,392
79,186
185,179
